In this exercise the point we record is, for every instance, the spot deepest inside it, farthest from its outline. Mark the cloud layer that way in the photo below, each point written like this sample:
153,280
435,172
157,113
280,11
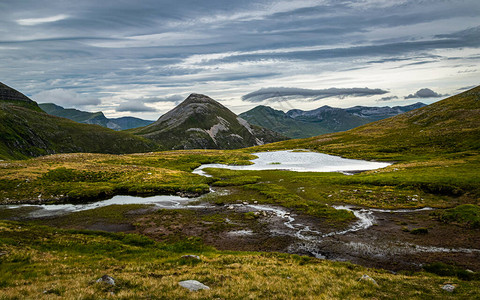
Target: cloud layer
122,51
283,92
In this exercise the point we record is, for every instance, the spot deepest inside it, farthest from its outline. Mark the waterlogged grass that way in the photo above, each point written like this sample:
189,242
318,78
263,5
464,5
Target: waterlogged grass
467,215
82,177
42,262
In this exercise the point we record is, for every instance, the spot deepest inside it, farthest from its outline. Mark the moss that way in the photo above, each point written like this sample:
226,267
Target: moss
467,215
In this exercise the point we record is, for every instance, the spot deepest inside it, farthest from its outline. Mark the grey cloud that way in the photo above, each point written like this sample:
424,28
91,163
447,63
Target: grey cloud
134,107
66,98
278,92
424,93
171,98
466,88
387,98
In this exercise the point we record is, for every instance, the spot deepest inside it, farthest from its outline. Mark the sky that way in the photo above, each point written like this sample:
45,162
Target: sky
141,58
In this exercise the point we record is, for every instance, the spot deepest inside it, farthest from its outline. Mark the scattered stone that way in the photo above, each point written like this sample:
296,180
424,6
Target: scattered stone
190,256
369,191
255,202
193,285
245,203
106,279
367,278
231,207
449,288
264,213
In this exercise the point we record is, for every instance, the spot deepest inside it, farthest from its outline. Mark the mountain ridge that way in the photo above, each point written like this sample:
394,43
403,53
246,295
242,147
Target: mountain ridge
97,118
298,123
26,131
201,122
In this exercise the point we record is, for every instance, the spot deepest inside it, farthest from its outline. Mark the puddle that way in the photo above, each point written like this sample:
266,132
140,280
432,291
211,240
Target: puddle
303,161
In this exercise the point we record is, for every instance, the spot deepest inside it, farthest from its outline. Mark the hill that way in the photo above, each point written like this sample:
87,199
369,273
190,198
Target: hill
298,123
449,126
26,131
97,118
200,122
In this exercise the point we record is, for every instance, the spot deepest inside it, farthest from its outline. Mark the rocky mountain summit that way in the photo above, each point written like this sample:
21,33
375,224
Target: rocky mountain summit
200,122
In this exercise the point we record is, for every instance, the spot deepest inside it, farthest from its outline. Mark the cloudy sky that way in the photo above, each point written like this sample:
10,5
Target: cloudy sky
141,58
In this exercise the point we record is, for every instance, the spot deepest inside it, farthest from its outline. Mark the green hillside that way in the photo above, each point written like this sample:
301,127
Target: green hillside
447,127
97,118
280,122
27,131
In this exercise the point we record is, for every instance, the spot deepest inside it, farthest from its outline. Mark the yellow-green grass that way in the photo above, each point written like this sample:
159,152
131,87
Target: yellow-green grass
82,176
45,263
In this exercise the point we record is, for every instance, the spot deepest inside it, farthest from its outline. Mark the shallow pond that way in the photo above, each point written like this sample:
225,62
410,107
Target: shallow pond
300,161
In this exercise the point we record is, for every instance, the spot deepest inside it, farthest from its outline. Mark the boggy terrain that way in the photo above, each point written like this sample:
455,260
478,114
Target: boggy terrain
419,217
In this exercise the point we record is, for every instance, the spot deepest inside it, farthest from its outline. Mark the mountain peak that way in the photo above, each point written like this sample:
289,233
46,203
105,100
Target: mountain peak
201,122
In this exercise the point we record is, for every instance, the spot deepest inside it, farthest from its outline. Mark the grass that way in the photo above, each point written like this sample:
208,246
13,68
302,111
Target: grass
42,262
467,215
81,177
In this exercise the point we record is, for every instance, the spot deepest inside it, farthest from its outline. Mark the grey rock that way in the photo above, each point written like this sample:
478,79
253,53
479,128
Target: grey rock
367,278
190,256
449,288
193,285
106,279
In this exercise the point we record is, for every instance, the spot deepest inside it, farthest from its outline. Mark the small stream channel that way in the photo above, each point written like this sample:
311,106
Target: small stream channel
355,242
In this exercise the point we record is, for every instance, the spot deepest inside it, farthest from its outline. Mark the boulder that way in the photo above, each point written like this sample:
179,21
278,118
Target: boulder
193,285
449,288
190,256
367,278
106,279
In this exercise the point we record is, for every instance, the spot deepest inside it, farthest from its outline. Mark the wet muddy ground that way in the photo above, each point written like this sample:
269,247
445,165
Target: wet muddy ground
383,239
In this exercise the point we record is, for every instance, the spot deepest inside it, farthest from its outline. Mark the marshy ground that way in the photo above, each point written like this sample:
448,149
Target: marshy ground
250,211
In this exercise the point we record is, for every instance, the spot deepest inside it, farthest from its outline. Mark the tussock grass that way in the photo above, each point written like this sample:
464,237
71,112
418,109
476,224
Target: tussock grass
43,263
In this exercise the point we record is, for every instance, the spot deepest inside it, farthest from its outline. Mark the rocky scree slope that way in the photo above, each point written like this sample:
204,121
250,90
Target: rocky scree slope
200,122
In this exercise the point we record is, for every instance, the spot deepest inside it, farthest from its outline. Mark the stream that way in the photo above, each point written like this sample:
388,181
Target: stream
360,242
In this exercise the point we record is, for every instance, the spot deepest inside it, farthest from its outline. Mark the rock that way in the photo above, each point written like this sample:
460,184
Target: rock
367,278
245,203
255,202
193,285
231,207
106,279
449,288
190,256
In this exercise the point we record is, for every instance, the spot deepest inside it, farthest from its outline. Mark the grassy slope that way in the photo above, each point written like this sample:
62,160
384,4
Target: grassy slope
450,127
43,263
26,132
278,121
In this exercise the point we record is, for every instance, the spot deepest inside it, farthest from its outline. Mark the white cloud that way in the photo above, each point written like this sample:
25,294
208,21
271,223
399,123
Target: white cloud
65,98
36,21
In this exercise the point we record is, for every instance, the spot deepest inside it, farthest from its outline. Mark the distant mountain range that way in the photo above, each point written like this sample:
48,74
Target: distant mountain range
200,122
97,118
27,131
449,127
298,123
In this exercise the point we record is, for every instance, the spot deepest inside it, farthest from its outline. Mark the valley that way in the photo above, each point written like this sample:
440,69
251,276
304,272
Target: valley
412,224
